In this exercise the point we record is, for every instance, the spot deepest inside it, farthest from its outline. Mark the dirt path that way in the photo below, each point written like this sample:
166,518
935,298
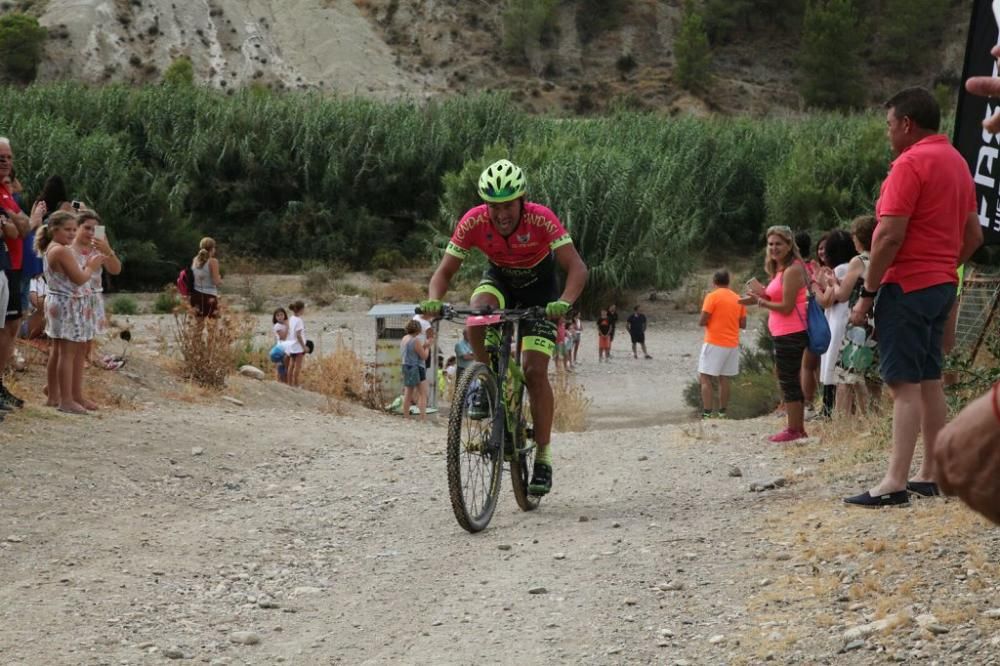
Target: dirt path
253,535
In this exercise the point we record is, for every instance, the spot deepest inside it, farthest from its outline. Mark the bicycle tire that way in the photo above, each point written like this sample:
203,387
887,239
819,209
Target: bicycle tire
474,465
523,461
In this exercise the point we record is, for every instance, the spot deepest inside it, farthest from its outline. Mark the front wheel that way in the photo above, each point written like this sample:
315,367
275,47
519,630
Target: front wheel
474,458
523,459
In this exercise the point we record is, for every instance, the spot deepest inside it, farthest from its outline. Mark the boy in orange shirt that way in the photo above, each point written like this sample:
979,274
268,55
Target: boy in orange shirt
722,316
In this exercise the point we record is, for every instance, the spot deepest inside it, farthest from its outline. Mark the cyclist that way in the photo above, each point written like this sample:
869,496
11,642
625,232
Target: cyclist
523,242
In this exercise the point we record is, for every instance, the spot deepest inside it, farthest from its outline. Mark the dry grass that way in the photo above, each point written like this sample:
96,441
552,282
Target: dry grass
399,291
889,551
571,405
338,375
210,348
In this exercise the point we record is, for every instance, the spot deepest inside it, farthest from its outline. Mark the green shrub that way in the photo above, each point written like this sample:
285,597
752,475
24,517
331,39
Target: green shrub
694,57
754,392
389,259
123,305
21,44
180,72
524,21
832,82
166,301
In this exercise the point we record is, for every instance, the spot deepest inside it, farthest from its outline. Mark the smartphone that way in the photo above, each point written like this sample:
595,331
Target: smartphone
76,204
99,232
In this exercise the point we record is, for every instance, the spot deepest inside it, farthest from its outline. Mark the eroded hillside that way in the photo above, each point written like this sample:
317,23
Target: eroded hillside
422,48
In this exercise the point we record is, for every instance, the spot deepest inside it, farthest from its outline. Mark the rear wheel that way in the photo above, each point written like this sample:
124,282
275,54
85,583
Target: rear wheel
523,459
474,461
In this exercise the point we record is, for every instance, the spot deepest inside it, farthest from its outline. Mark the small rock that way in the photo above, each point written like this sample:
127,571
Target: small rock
305,590
718,638
235,401
197,451
672,586
267,603
629,601
583,519
244,638
173,653
559,556
614,650
252,372
662,643
643,458
993,613
13,538
538,590
616,524
853,645
503,546
735,471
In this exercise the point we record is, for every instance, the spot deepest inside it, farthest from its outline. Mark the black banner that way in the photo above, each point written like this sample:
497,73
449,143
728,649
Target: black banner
980,148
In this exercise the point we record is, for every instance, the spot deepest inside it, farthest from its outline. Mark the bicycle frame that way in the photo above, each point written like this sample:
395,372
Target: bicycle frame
504,363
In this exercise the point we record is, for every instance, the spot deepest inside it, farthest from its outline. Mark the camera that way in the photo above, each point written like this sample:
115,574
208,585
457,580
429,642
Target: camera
76,204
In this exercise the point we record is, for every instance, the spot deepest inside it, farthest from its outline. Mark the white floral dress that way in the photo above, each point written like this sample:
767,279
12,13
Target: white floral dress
69,307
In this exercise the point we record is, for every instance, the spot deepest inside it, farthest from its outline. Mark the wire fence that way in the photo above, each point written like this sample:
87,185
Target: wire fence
977,310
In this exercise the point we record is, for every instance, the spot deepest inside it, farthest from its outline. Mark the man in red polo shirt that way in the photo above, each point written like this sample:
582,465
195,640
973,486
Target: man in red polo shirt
927,226
14,226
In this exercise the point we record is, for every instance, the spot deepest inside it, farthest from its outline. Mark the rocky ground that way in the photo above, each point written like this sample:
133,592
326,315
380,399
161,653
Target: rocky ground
180,525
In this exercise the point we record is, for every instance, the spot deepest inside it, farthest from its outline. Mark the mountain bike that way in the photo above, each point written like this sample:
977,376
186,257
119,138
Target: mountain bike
490,420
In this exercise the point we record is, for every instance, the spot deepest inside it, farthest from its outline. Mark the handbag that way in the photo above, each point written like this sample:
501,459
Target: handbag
817,327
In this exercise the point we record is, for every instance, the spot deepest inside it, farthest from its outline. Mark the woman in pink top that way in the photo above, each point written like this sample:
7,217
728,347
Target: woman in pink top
785,298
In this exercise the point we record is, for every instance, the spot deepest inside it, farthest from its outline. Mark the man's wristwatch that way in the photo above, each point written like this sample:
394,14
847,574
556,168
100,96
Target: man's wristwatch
867,294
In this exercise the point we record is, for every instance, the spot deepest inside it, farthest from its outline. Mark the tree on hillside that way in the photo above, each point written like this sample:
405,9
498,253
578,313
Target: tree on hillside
21,43
829,58
910,29
524,22
727,20
694,56
180,72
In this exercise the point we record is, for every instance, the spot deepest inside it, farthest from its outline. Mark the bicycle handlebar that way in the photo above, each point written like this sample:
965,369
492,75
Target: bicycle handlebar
449,312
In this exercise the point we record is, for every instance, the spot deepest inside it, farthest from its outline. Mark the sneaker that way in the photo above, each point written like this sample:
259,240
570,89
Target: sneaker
706,415
478,407
787,435
541,479
10,398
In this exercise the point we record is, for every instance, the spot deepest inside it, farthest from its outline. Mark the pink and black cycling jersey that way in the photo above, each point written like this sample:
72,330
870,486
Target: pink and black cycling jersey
523,255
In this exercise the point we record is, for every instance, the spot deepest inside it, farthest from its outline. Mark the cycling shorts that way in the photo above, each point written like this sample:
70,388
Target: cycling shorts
514,288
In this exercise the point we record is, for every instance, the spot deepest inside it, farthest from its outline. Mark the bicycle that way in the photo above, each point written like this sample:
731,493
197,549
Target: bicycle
479,443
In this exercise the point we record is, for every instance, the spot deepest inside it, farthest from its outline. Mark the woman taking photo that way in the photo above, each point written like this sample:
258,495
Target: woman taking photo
785,299
90,238
207,280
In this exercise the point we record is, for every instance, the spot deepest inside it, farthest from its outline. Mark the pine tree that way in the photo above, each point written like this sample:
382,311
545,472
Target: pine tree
21,40
829,58
694,56
910,29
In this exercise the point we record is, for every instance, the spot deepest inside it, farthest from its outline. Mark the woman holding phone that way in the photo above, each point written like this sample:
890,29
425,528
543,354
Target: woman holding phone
785,299
91,238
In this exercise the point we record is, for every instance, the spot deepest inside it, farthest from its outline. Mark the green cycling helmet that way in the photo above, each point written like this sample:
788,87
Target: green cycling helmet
501,182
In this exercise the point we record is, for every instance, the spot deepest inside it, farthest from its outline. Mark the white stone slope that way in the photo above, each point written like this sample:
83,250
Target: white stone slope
291,44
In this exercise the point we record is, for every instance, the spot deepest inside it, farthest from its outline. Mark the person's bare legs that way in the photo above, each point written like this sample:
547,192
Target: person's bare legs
68,353
79,366
52,375
644,352
935,415
536,379
707,397
724,384
907,408
407,400
794,412
810,364
844,400
422,399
